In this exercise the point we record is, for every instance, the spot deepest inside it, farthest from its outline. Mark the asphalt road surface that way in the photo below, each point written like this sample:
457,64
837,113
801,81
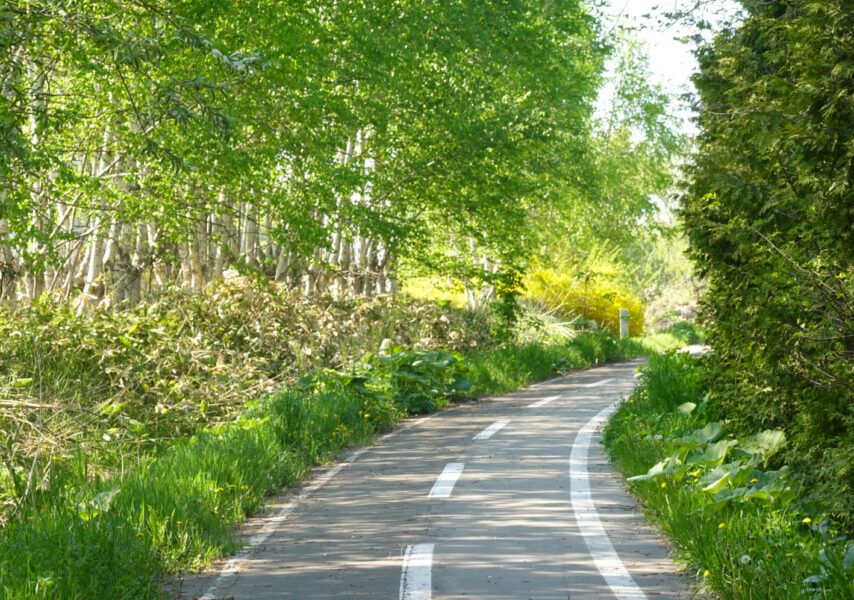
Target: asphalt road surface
506,497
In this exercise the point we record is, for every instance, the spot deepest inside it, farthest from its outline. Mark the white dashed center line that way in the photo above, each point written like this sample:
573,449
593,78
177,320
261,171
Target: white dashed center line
416,578
544,401
445,484
490,431
598,383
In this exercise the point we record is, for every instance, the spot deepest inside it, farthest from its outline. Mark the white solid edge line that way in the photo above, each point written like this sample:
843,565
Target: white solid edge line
598,383
490,431
603,553
416,576
543,402
447,479
233,565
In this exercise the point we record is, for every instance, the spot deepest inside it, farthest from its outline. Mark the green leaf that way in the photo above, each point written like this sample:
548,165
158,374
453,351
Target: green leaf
714,454
718,484
709,433
848,561
763,445
686,409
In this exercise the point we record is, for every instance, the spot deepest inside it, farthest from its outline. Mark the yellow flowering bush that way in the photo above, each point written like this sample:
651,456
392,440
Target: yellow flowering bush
598,299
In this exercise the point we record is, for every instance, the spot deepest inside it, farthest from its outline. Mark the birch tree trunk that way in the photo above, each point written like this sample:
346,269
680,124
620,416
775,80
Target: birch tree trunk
10,266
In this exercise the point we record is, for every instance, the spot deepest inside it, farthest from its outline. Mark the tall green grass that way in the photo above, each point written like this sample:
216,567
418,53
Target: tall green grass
514,365
744,550
677,335
113,539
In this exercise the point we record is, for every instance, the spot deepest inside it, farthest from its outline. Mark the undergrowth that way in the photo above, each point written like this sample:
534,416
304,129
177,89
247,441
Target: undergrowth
113,539
116,386
104,516
733,511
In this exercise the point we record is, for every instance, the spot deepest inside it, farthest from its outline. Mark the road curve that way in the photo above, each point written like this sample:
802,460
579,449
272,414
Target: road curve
506,497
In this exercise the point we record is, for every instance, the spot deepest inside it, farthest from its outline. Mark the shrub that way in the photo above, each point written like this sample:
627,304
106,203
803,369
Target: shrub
733,516
593,299
119,384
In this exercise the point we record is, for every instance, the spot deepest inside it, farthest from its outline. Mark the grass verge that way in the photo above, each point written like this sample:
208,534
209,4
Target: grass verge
177,511
734,521
513,366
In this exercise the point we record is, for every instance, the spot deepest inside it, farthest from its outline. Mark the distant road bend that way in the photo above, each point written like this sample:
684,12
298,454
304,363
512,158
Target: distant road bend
504,498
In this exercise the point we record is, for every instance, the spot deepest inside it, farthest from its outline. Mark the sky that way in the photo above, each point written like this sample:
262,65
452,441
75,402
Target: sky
671,61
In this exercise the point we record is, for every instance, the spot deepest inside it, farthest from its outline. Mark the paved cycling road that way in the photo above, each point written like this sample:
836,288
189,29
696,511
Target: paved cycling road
507,497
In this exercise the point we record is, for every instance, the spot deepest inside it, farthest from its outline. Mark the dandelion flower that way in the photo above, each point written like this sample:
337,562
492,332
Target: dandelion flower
768,555
244,487
807,520
663,484
139,534
219,489
754,480
706,573
745,560
648,437
790,554
721,525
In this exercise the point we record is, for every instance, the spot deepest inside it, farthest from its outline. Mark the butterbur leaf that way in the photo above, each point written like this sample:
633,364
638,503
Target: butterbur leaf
848,561
672,465
718,484
460,384
104,500
714,454
96,505
763,445
686,409
710,433
307,382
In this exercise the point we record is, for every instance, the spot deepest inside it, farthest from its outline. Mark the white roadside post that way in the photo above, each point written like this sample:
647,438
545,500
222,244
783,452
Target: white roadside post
624,323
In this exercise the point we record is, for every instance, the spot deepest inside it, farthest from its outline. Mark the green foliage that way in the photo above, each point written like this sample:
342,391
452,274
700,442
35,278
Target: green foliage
116,537
506,308
734,522
178,511
676,336
123,383
454,120
769,217
420,381
669,381
512,366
